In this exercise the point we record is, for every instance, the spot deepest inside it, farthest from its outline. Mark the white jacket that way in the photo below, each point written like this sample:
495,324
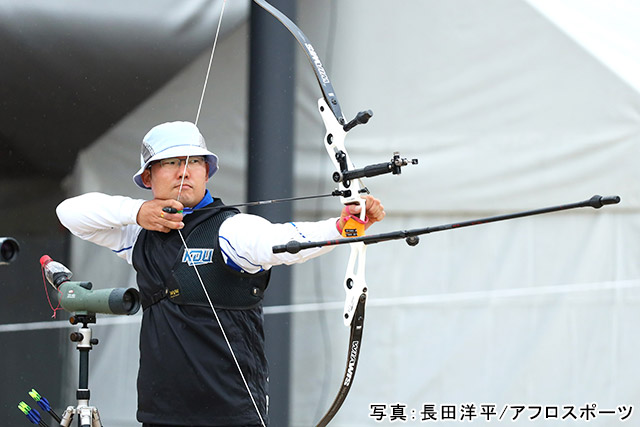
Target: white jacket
244,239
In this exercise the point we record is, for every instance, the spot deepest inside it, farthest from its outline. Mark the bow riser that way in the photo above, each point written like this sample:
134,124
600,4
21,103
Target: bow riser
334,144
354,281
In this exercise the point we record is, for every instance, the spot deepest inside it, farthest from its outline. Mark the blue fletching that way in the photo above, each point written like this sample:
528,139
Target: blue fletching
44,404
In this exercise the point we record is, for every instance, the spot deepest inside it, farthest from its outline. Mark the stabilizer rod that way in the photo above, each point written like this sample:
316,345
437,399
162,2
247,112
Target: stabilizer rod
411,236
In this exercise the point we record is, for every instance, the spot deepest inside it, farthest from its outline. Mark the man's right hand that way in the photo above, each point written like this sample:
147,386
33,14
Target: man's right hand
152,217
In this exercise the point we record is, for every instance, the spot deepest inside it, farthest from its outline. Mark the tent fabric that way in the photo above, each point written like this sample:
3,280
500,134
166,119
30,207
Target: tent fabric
505,111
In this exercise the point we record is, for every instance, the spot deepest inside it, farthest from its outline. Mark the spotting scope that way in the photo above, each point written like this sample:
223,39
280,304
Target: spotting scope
78,297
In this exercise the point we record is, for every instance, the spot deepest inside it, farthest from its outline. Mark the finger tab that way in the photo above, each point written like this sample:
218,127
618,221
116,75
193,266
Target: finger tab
354,227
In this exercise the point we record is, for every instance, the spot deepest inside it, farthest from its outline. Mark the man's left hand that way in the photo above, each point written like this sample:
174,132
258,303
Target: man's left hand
374,212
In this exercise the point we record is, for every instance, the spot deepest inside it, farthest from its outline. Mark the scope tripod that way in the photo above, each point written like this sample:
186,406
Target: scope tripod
89,416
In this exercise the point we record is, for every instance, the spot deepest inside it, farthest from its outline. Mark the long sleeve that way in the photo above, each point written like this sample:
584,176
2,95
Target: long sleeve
105,220
246,241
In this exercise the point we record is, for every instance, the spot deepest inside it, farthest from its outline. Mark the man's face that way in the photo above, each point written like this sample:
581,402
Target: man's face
166,176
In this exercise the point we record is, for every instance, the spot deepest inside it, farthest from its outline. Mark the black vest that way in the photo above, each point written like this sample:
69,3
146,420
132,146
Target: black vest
166,271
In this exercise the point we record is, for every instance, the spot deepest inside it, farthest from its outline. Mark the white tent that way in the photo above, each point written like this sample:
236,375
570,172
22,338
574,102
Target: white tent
509,105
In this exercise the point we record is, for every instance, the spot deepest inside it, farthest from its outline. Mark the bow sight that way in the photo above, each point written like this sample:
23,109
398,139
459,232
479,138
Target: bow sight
394,166
346,174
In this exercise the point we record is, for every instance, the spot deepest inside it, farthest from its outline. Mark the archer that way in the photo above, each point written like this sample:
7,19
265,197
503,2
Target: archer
203,257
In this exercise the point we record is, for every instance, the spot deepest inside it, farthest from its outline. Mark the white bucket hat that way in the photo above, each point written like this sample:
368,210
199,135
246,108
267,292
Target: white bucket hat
173,139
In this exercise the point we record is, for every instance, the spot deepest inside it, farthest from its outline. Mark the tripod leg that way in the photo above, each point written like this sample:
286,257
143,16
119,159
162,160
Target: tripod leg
85,414
96,418
67,416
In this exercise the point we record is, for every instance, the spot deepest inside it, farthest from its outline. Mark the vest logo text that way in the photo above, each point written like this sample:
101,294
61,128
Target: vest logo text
198,256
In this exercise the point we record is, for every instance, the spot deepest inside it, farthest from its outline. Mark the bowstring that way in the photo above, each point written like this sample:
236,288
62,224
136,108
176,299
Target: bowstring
184,243
213,49
224,334
317,268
